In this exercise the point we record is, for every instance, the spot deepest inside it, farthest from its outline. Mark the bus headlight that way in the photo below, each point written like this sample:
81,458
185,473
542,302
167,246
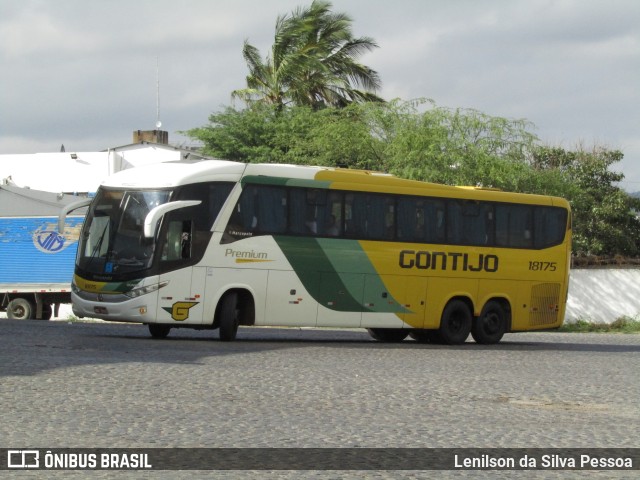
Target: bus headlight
137,292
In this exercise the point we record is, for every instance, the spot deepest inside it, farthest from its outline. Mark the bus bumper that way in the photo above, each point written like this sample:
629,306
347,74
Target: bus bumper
140,309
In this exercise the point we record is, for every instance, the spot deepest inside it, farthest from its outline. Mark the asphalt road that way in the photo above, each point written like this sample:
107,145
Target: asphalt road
99,385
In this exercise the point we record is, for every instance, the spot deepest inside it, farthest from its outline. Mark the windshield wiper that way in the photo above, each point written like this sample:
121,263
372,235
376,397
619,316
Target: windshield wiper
98,246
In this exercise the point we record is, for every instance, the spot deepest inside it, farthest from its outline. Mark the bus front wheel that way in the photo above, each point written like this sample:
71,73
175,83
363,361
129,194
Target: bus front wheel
229,317
491,325
389,335
159,331
455,324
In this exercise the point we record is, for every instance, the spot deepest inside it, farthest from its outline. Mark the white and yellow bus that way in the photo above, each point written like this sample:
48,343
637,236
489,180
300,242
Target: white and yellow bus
218,244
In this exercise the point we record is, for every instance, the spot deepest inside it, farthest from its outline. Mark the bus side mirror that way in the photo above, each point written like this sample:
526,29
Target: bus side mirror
156,213
69,208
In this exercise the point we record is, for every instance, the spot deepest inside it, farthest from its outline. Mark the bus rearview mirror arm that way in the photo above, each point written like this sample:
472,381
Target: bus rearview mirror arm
69,208
156,213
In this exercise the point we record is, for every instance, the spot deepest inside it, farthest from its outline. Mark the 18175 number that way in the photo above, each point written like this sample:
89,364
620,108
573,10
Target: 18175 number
543,266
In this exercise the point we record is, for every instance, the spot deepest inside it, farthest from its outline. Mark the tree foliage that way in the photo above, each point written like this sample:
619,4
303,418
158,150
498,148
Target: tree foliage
604,216
313,62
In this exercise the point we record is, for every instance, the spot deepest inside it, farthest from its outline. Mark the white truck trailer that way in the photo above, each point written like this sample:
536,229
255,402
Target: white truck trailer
36,262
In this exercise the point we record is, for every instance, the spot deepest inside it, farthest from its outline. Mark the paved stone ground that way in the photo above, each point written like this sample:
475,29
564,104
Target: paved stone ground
98,385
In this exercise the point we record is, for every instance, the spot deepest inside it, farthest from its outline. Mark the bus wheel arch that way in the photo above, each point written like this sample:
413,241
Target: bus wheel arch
494,321
456,321
236,307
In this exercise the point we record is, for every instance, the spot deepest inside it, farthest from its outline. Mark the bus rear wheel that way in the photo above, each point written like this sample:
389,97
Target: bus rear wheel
229,317
455,324
388,335
491,325
159,331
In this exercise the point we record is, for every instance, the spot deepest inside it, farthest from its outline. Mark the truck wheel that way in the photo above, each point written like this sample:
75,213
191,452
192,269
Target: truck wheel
47,311
20,309
229,317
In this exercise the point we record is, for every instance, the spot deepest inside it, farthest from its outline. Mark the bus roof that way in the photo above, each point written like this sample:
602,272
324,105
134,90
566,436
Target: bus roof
173,174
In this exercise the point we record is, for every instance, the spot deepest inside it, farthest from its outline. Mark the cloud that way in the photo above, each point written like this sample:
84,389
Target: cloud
84,73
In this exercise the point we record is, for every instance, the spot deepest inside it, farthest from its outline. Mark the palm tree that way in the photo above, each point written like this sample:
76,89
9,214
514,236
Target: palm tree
313,62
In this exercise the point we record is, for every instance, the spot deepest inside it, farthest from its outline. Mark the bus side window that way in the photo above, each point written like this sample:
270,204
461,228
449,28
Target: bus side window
328,214
298,211
243,221
356,215
178,244
470,222
435,216
380,222
490,227
315,203
514,226
411,219
271,206
421,220
454,222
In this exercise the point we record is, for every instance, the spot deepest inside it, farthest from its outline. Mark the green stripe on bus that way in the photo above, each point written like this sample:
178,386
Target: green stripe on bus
337,274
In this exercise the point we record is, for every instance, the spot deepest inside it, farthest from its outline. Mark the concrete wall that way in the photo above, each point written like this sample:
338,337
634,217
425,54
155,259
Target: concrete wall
603,295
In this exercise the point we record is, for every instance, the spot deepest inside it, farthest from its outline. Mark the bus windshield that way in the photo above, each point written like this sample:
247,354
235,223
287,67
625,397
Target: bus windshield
113,245
113,240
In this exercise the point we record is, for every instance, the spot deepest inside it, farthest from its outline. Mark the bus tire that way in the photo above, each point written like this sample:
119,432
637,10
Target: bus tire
491,325
229,317
388,335
21,309
455,324
158,330
421,335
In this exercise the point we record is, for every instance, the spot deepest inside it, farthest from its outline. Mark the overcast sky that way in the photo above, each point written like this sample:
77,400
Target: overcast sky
83,72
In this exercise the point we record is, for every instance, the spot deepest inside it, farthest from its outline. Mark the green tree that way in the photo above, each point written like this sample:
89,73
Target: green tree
239,135
604,216
297,135
313,62
457,147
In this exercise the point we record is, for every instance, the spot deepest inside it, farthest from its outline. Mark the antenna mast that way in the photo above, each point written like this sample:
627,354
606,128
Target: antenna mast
158,122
